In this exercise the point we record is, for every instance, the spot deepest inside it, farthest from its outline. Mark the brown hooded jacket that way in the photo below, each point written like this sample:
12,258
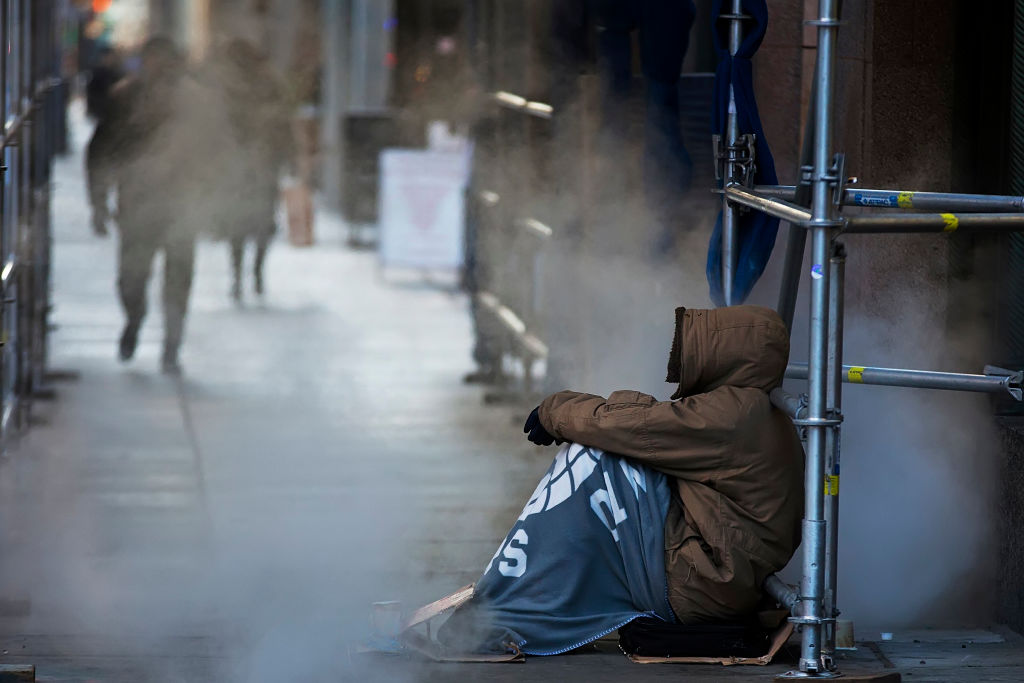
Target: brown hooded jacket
736,460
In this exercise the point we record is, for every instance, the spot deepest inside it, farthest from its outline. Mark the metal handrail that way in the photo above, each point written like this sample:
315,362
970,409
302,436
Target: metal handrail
12,127
536,228
515,102
513,324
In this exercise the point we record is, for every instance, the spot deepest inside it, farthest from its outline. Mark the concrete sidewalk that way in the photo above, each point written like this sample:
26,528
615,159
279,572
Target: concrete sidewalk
319,454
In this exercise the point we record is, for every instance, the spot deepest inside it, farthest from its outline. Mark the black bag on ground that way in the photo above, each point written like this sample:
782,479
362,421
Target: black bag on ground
647,637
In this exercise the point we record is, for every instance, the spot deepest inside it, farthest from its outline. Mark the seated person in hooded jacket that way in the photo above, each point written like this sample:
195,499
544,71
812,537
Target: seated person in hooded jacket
734,461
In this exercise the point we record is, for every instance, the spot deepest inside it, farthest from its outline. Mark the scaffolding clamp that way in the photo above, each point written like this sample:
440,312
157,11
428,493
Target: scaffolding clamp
823,667
834,420
742,155
824,22
1014,380
740,16
802,621
835,176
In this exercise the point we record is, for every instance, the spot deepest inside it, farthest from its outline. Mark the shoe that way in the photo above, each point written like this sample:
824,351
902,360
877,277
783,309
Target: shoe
170,366
482,376
129,341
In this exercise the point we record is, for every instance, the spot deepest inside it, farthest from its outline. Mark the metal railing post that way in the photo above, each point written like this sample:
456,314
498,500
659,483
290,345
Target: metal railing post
730,214
819,422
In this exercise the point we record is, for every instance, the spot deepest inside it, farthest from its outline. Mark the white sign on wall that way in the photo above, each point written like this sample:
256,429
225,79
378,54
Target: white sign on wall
422,207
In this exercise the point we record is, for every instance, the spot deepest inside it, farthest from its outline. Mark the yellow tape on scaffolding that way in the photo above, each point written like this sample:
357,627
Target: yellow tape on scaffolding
832,485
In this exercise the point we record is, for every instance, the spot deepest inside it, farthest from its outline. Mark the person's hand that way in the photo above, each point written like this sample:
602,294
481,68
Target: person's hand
99,223
535,430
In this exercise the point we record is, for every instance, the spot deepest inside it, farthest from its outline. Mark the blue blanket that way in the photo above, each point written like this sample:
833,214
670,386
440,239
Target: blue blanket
585,557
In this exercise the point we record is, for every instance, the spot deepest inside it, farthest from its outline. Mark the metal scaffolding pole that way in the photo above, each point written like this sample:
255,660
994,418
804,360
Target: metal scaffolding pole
995,381
782,592
819,422
792,266
796,239
779,208
933,222
730,214
794,406
837,270
775,205
907,199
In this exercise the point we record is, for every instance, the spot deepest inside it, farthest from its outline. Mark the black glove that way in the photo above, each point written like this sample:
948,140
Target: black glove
535,430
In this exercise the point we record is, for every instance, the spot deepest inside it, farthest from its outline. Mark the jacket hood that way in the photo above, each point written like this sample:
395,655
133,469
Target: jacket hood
740,346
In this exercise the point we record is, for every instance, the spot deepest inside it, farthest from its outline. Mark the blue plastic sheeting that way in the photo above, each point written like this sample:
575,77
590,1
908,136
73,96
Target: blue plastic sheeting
756,231
585,557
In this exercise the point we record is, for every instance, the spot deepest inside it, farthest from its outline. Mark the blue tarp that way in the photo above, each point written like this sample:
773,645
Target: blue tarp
585,557
756,231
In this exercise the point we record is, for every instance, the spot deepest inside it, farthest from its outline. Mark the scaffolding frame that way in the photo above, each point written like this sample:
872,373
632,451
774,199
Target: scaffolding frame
813,208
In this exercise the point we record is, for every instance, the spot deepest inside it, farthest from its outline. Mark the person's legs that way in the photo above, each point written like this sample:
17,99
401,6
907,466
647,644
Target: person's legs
262,245
664,36
179,261
616,20
237,246
135,261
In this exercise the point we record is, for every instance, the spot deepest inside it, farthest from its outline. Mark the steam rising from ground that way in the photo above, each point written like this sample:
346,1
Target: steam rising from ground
917,519
286,580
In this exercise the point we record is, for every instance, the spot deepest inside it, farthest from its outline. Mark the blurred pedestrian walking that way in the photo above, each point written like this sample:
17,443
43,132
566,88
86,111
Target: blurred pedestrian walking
257,111
155,148
103,76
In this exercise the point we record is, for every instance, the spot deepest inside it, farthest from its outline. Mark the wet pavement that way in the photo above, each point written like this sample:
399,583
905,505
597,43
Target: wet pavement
320,453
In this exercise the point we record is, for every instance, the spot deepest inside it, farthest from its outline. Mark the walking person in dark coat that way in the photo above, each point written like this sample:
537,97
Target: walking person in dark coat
254,101
152,148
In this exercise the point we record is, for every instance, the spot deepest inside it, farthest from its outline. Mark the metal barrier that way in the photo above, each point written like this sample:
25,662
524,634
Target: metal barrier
508,296
819,413
32,108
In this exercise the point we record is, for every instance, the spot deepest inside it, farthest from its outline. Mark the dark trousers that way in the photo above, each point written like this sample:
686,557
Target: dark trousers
137,252
663,28
237,242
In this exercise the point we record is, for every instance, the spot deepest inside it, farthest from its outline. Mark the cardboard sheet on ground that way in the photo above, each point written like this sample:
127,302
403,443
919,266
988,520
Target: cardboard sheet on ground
421,642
